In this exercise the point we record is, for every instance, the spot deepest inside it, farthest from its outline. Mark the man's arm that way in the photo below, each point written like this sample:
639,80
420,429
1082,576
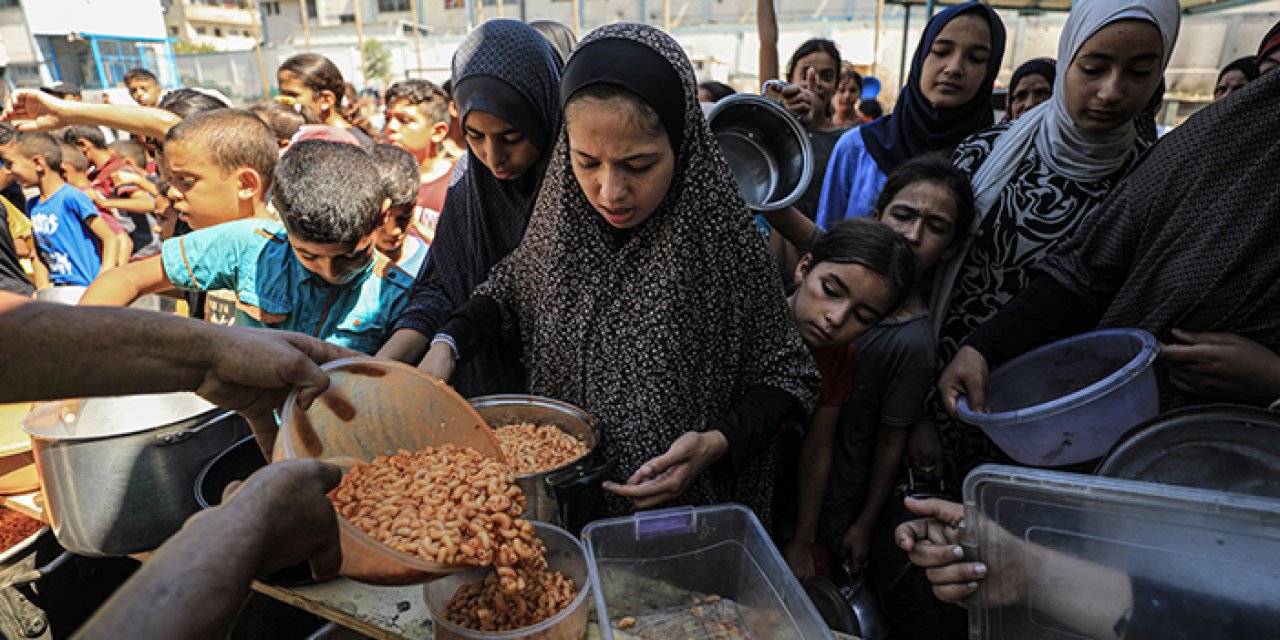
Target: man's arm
196,583
245,370
108,241
120,287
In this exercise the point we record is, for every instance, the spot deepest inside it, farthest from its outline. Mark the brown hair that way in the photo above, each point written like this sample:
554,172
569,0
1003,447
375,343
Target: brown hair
317,73
232,138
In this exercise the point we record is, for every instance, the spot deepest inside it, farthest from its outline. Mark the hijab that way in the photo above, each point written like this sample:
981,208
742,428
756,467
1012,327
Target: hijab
916,126
505,68
1176,246
1248,66
658,330
1046,68
1270,42
562,38
1047,129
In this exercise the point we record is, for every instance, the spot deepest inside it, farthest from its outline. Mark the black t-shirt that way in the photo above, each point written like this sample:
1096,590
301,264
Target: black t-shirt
12,277
823,142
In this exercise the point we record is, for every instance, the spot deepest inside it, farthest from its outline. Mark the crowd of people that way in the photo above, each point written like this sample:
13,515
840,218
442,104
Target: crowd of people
558,219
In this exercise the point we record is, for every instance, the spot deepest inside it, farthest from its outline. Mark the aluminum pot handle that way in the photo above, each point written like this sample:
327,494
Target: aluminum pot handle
182,435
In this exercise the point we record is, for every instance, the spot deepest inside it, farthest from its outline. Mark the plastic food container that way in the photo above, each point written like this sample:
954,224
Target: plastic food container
17,463
1211,548
564,554
372,408
665,564
1070,401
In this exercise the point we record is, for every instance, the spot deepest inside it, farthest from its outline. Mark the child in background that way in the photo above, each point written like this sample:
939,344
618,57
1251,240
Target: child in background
283,120
853,277
418,122
399,171
16,245
65,222
220,167
75,171
143,87
134,205
930,203
317,273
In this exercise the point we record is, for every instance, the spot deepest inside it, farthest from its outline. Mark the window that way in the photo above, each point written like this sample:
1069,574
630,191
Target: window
217,31
393,6
271,8
311,8
173,31
10,4
201,31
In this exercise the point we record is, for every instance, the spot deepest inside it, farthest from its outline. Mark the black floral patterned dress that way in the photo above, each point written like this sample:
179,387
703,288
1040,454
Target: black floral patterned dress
1034,212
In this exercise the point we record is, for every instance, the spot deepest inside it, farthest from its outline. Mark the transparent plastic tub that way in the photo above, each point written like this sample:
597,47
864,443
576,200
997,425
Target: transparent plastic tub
672,566
372,408
1208,556
1070,401
564,554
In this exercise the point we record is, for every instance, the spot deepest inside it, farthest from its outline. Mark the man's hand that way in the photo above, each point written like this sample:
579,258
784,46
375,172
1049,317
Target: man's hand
965,375
669,475
296,520
1222,367
252,370
31,110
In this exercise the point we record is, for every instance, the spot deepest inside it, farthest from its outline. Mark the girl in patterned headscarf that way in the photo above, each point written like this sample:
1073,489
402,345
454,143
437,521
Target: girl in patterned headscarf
642,291
1037,179
505,81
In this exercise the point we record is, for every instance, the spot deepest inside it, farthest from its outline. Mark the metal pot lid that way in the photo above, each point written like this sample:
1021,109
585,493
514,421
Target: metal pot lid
91,418
1223,447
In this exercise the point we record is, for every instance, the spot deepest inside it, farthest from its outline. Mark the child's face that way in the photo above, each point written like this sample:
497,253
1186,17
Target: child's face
395,226
409,128
295,92
70,174
498,145
144,92
837,302
925,214
337,264
202,193
24,169
622,165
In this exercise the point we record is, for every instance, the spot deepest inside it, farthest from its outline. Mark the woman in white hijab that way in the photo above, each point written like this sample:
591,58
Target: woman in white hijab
1036,179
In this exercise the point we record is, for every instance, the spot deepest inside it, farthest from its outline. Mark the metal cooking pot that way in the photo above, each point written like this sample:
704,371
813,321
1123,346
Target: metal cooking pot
565,496
766,148
117,472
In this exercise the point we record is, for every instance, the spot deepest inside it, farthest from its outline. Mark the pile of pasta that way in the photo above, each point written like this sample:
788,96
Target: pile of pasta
452,505
532,448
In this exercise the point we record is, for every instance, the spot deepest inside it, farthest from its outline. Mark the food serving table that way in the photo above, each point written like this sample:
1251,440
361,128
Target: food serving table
377,612
389,613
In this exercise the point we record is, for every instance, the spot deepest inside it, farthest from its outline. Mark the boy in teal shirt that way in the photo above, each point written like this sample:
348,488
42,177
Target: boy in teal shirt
317,273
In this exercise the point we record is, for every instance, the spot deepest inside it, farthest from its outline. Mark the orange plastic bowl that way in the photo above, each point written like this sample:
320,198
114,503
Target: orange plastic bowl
372,408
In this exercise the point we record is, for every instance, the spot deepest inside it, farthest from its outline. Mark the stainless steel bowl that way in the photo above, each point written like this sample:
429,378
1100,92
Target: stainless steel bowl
559,496
766,148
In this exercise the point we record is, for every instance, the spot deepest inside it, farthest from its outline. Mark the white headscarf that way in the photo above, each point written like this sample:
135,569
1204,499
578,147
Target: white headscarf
1083,156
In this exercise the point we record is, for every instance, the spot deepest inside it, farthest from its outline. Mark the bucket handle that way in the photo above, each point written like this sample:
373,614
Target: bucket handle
182,435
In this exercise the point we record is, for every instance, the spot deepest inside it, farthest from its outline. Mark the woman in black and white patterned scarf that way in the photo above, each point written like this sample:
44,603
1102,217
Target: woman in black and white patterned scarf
642,291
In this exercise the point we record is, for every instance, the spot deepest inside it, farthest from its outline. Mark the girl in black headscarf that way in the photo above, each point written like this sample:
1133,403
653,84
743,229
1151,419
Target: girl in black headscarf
1031,84
643,292
1234,76
505,82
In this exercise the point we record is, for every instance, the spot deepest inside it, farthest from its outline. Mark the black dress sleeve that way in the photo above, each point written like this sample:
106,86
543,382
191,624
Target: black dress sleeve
1042,312
750,425
435,293
1161,611
473,326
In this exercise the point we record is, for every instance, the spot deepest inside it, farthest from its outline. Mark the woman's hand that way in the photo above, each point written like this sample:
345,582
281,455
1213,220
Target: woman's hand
440,361
965,375
1222,367
669,475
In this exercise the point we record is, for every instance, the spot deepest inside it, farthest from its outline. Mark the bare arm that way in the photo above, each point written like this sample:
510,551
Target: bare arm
767,27
107,237
39,111
197,582
40,273
406,345
120,287
137,202
890,443
815,467
792,225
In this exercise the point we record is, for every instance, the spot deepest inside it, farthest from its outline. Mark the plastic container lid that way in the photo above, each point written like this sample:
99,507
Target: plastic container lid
1070,401
1221,546
373,408
657,562
564,554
